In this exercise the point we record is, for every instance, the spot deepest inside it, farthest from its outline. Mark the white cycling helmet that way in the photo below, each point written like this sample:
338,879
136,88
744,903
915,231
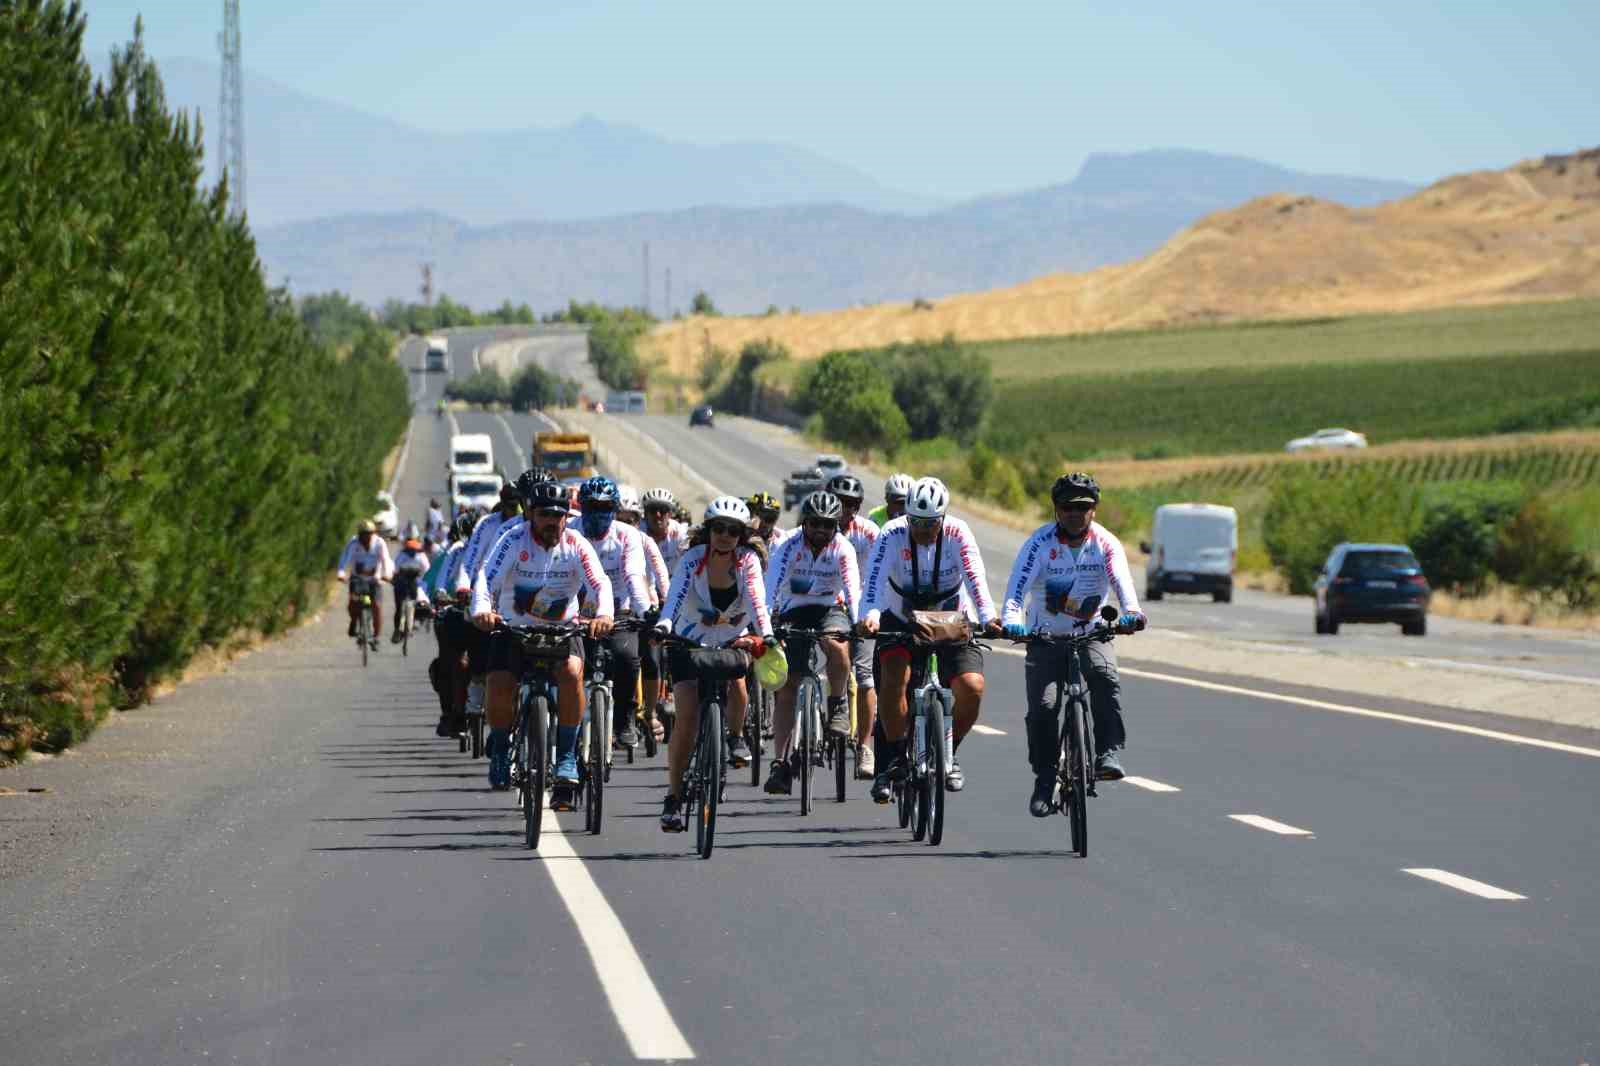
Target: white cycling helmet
628,500
928,499
661,498
898,487
728,507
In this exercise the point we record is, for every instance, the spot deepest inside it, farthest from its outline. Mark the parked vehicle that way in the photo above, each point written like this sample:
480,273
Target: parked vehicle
1328,438
1192,548
471,453
702,416
387,518
1371,583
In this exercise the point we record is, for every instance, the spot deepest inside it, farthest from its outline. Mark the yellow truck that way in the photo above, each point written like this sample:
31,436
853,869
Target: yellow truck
569,455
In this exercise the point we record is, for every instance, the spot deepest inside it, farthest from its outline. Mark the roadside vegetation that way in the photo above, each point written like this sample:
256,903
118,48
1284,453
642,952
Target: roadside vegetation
183,451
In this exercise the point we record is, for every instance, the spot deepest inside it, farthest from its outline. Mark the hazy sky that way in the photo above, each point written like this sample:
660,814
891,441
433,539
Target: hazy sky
950,99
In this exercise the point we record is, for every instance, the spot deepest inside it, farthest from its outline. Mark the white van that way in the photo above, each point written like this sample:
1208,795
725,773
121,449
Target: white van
471,453
474,491
1192,548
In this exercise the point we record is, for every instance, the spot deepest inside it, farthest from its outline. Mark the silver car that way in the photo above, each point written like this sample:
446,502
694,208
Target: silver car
1328,438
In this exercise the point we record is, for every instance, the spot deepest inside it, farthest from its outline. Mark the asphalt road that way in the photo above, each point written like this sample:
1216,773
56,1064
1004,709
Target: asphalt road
279,863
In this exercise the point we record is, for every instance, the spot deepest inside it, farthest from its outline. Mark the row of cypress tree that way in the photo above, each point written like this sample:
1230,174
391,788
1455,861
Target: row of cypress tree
179,459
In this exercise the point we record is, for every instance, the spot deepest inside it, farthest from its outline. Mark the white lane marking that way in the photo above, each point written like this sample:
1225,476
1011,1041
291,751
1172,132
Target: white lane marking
1149,784
1365,712
522,459
636,1004
1464,884
477,367
988,730
1269,825
1515,671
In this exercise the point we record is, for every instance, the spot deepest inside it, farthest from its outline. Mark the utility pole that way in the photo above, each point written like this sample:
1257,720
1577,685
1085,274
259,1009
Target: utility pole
231,118
646,304
427,285
668,312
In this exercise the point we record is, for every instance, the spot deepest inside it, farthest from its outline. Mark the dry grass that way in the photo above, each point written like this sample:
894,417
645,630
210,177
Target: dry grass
1528,233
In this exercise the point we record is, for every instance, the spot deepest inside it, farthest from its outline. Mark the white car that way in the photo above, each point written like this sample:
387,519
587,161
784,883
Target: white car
1328,438
831,465
388,517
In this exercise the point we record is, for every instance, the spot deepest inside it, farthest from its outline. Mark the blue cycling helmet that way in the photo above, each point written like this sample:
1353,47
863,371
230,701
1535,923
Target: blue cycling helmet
599,489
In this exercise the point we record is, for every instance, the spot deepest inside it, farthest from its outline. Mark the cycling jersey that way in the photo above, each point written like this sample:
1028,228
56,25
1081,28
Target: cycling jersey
775,537
371,561
959,565
437,529
621,553
660,577
673,544
801,577
409,566
483,538
1066,591
441,577
690,613
862,534
879,515
526,582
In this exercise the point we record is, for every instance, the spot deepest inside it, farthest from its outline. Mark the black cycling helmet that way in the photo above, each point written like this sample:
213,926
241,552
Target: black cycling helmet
536,475
847,487
547,496
822,504
462,529
1075,488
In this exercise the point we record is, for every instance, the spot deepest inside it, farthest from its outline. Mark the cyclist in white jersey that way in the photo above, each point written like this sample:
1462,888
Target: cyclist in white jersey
367,555
813,583
1063,575
534,574
435,526
930,557
622,554
669,536
862,533
451,629
484,534
409,566
765,510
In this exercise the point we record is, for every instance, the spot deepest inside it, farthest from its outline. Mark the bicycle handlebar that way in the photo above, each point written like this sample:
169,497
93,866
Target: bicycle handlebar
783,632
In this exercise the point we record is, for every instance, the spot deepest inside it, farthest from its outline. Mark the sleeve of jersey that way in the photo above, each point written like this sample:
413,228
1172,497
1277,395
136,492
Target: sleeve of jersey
344,556
633,572
977,579
487,580
677,592
756,589
1021,581
599,585
469,557
659,578
877,577
850,574
1119,575
777,574
385,560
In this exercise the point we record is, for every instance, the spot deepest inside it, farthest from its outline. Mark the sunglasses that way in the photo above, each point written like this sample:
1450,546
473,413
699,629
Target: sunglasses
724,529
821,523
550,512
1077,508
925,523
657,512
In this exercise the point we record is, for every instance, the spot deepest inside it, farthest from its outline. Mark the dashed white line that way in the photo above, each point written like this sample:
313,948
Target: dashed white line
1463,884
1271,826
1149,784
522,459
636,1003
988,730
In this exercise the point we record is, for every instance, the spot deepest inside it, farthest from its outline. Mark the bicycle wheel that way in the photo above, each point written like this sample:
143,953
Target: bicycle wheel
536,712
408,618
938,765
475,727
708,772
599,715
920,768
364,633
1077,791
841,751
752,729
806,742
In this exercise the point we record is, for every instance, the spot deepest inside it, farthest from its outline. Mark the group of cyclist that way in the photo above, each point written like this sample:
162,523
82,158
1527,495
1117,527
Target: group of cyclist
736,579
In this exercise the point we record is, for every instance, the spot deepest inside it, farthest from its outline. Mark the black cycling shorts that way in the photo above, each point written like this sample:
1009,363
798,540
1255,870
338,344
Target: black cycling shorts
954,659
505,653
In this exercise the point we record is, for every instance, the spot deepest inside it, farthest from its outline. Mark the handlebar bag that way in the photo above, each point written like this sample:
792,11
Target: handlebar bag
719,664
940,627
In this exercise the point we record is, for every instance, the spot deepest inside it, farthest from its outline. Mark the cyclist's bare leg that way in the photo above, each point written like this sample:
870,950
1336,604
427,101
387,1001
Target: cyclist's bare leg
783,716
866,713
968,692
738,700
569,691
836,653
499,697
686,695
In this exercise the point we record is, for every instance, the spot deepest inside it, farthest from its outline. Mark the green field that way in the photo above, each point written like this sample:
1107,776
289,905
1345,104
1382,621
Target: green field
1516,329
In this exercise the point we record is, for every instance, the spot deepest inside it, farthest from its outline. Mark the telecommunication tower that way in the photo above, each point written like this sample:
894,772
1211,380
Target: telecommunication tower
427,285
231,118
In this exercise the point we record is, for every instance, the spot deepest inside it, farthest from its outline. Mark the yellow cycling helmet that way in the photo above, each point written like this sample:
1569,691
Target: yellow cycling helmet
764,504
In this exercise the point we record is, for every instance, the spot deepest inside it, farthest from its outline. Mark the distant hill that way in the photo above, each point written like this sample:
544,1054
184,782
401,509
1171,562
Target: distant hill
811,256
1529,232
312,158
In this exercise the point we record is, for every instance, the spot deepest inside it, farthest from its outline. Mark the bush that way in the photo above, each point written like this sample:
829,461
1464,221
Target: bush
1535,551
867,419
1306,516
612,340
702,305
943,388
832,380
483,388
534,388
1455,547
739,393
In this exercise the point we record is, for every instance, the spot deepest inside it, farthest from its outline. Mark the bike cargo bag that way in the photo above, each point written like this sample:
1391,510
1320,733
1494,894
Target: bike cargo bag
940,627
719,664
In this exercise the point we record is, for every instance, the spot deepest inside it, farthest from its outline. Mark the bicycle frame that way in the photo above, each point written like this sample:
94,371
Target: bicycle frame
808,747
930,706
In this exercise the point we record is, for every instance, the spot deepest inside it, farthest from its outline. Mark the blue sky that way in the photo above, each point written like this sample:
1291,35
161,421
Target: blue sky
949,99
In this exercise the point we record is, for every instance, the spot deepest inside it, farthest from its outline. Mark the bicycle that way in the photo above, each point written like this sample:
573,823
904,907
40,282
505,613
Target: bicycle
363,590
702,777
544,647
405,590
594,737
920,790
811,749
1075,776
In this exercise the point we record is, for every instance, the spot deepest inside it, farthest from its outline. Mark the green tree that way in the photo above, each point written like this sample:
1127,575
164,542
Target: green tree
943,388
740,391
702,305
1307,515
867,419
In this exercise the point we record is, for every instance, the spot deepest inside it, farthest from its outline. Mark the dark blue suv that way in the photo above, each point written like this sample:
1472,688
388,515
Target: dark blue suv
1371,583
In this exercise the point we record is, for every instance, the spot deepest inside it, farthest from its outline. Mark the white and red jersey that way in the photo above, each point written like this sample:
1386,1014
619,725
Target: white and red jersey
659,577
484,535
672,545
950,564
690,613
774,537
622,557
371,561
1067,588
862,533
798,576
525,582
